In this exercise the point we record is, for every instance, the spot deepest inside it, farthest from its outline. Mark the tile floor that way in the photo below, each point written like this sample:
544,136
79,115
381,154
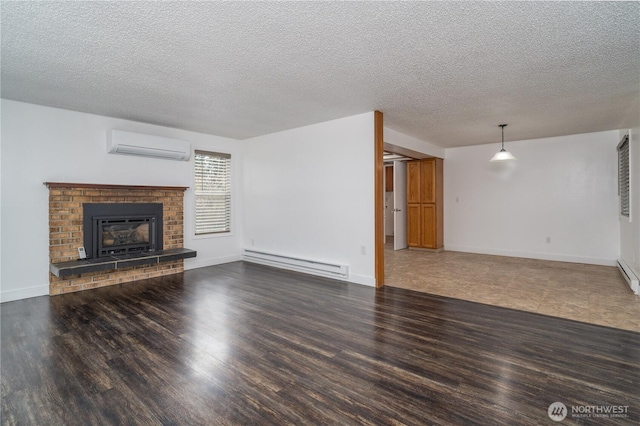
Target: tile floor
587,293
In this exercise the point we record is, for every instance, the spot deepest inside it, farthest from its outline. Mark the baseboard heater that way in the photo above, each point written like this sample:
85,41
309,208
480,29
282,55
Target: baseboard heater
307,266
629,276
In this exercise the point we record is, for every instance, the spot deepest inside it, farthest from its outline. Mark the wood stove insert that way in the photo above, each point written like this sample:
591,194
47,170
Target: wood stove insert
122,228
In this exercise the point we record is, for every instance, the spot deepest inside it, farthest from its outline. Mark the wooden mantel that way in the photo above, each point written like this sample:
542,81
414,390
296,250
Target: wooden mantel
51,185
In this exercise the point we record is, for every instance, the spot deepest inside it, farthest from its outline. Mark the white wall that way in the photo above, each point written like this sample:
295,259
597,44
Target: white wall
630,229
48,144
562,188
308,192
396,138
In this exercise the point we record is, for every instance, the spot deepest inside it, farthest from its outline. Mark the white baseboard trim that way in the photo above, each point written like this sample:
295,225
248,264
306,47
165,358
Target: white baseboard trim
43,290
530,255
362,280
629,276
196,263
24,293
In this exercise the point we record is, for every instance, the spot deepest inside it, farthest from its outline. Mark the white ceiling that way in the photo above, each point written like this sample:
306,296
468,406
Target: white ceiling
444,72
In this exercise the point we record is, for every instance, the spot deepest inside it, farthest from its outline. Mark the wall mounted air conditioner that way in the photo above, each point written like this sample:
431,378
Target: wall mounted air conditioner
129,143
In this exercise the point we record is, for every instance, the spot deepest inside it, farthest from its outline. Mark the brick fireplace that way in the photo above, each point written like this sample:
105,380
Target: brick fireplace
66,201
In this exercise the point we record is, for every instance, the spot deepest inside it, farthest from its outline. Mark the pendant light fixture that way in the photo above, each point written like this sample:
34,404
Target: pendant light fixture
503,154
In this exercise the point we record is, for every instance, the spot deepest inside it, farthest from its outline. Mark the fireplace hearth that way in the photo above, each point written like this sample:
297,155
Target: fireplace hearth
122,228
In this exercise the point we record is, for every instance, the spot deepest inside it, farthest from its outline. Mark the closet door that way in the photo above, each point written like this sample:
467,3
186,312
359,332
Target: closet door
428,181
429,230
414,228
413,182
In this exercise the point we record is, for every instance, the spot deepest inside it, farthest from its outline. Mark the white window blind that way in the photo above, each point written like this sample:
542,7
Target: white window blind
212,191
623,175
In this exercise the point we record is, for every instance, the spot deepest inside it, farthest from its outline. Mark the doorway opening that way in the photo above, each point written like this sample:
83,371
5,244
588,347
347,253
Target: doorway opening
395,199
395,191
395,215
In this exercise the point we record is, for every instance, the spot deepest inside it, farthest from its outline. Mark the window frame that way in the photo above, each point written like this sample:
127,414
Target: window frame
228,193
624,179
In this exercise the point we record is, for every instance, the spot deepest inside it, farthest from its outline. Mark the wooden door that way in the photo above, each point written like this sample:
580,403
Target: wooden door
413,182
428,181
428,234
414,228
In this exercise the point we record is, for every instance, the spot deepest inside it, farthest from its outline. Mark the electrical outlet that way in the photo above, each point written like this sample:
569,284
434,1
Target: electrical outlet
548,240
252,242
363,250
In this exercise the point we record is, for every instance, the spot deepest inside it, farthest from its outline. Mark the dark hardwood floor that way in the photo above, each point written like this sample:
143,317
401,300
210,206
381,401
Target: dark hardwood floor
249,345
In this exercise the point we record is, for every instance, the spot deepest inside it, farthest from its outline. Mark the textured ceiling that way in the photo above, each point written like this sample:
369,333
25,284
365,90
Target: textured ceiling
445,72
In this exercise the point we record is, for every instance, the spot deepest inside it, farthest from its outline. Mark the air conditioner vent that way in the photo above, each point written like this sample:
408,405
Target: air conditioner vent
129,143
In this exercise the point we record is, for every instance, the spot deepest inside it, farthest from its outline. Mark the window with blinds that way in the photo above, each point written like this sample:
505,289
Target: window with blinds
623,175
212,189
